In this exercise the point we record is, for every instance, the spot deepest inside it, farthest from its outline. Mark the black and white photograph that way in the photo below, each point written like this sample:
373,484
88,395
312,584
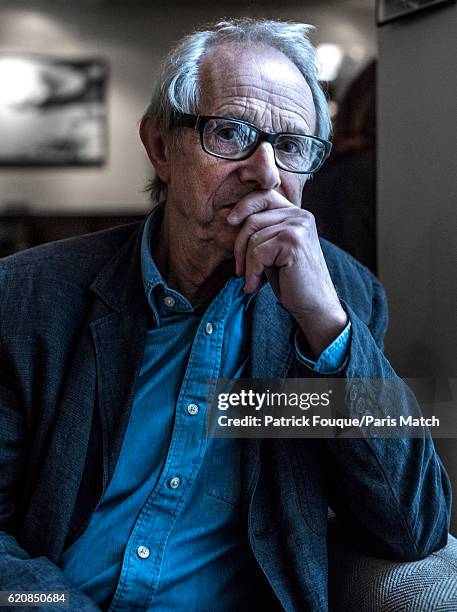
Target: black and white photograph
52,111
388,10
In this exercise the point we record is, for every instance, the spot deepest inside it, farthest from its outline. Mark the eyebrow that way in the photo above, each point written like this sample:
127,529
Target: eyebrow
289,129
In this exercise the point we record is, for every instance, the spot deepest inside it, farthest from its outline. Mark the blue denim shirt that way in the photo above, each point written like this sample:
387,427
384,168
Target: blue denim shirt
167,533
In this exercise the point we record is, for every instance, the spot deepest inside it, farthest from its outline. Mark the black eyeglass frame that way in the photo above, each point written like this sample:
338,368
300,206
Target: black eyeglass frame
198,122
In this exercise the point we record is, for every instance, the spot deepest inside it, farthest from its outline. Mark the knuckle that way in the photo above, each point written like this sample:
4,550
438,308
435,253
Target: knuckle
302,226
252,223
307,214
306,224
307,218
292,236
256,251
254,239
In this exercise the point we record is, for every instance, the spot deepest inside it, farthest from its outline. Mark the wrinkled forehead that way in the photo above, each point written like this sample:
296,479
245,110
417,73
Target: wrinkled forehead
255,82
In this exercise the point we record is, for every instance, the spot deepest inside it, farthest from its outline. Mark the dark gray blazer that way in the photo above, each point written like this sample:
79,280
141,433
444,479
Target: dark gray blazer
73,320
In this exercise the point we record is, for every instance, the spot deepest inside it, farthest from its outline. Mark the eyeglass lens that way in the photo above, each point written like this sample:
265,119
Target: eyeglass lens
233,140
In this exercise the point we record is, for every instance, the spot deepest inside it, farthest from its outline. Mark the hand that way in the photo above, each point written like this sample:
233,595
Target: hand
280,240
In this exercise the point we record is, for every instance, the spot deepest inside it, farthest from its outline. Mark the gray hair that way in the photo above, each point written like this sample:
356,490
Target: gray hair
177,89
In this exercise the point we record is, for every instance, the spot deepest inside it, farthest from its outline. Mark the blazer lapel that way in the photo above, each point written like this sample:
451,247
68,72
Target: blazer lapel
271,357
119,339
271,347
101,377
54,494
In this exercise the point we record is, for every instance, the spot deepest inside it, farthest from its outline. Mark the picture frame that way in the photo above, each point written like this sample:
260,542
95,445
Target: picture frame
390,10
52,110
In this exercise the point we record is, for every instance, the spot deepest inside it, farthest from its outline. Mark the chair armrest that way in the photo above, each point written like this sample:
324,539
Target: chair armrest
359,583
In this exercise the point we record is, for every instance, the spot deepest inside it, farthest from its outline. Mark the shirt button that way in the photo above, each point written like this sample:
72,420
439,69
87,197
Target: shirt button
143,552
209,328
175,482
169,301
193,409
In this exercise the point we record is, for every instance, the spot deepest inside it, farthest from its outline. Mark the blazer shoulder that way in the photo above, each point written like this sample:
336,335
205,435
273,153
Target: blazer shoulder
74,258
48,286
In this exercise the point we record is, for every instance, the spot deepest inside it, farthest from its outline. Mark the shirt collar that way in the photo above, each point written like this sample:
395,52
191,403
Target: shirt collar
149,270
153,281
154,284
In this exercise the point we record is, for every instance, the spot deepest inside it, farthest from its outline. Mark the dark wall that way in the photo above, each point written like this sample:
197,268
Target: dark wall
417,199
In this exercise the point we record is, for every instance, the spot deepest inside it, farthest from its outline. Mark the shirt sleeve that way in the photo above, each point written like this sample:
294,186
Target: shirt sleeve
332,360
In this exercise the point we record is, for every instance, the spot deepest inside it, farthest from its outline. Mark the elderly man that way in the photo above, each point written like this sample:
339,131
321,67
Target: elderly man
111,488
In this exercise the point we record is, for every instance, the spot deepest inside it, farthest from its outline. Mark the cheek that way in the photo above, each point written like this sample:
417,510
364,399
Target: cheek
204,177
193,161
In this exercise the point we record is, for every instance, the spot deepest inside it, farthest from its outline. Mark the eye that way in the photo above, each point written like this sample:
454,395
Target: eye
228,133
291,146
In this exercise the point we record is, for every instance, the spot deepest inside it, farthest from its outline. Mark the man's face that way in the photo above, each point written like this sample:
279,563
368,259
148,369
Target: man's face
262,87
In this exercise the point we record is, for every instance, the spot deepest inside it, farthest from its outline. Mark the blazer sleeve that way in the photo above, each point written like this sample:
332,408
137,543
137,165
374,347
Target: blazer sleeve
18,571
392,494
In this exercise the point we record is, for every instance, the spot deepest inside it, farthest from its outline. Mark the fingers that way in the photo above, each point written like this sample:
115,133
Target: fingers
272,230
260,257
255,226
257,201
269,249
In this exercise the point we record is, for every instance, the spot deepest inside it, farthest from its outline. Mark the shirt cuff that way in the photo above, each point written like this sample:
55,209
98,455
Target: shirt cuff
332,359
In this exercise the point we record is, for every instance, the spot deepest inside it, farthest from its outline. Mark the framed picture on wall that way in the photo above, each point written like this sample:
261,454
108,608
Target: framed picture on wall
52,111
388,10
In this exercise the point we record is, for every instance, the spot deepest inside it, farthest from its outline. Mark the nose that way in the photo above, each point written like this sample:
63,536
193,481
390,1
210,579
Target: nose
260,170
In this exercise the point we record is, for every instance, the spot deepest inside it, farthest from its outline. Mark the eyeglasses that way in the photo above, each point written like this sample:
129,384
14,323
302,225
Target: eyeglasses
237,140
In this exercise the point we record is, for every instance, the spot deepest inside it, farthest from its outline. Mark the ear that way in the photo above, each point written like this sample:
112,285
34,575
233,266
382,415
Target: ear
156,147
